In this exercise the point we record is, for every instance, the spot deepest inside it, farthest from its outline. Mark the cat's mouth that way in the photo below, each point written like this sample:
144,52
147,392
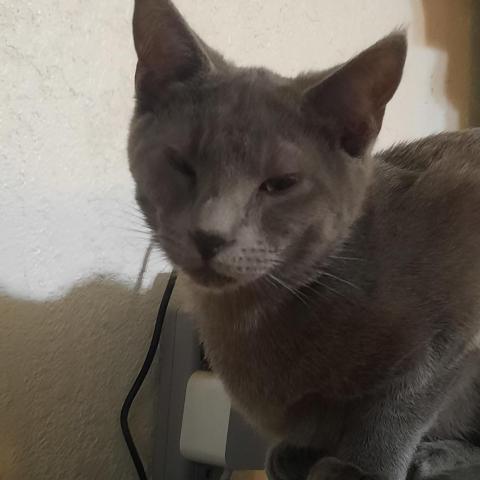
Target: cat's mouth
209,278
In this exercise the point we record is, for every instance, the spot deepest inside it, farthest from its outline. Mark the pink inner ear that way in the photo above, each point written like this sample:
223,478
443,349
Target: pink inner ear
351,102
357,138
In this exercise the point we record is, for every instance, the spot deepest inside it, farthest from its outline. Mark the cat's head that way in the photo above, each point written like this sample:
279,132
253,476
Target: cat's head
244,175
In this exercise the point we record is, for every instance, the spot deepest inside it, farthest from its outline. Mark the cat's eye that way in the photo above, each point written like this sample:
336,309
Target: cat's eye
182,166
279,184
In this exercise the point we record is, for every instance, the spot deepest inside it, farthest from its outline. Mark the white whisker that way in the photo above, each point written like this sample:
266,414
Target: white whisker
331,275
293,291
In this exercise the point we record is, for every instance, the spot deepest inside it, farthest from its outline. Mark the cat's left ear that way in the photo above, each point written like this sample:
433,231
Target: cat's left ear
349,104
168,50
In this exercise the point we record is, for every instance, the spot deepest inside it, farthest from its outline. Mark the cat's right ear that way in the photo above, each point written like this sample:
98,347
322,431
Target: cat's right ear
168,50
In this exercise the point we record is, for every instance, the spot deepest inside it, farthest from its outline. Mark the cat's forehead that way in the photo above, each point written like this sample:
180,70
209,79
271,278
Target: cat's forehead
248,93
244,113
239,124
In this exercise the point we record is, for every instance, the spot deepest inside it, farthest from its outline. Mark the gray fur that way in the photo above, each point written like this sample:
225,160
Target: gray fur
434,458
342,312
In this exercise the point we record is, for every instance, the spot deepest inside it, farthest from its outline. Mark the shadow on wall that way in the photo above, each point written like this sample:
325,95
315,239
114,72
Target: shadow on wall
450,27
66,368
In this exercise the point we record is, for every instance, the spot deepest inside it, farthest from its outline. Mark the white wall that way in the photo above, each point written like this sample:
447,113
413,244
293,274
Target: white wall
72,329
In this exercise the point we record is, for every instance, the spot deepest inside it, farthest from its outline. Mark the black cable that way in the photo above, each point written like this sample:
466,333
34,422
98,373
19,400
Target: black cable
147,363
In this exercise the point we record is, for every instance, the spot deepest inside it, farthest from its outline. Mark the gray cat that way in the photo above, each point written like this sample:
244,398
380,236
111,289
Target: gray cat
339,291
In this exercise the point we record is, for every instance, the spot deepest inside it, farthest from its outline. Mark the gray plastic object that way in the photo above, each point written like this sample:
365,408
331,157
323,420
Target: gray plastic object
179,358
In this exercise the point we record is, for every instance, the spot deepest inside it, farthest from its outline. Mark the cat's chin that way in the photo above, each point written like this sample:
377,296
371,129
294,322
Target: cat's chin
209,279
212,282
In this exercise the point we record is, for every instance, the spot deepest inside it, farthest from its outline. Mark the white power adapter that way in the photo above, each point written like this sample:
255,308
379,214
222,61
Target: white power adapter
212,432
206,415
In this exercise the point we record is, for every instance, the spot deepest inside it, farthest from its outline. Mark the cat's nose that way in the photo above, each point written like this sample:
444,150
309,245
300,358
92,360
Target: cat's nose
208,244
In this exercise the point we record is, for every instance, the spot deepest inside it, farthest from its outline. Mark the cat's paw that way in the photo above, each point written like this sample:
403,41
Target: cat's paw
428,460
330,468
286,462
432,459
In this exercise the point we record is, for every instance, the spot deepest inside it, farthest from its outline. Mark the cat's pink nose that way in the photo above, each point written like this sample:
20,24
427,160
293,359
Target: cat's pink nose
208,244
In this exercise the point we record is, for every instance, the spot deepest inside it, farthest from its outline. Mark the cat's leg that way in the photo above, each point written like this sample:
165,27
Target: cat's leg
471,473
379,435
434,458
378,440
287,462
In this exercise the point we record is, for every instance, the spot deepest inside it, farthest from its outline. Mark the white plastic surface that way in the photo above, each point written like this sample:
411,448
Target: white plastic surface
205,420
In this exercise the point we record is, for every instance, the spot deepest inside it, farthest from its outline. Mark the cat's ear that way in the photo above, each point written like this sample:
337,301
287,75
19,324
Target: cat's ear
167,49
349,104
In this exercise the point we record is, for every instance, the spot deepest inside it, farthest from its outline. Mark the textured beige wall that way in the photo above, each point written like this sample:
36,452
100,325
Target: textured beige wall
73,330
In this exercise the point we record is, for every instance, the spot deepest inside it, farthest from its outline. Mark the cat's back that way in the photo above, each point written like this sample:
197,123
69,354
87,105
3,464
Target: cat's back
428,199
436,178
428,184
448,149
424,213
